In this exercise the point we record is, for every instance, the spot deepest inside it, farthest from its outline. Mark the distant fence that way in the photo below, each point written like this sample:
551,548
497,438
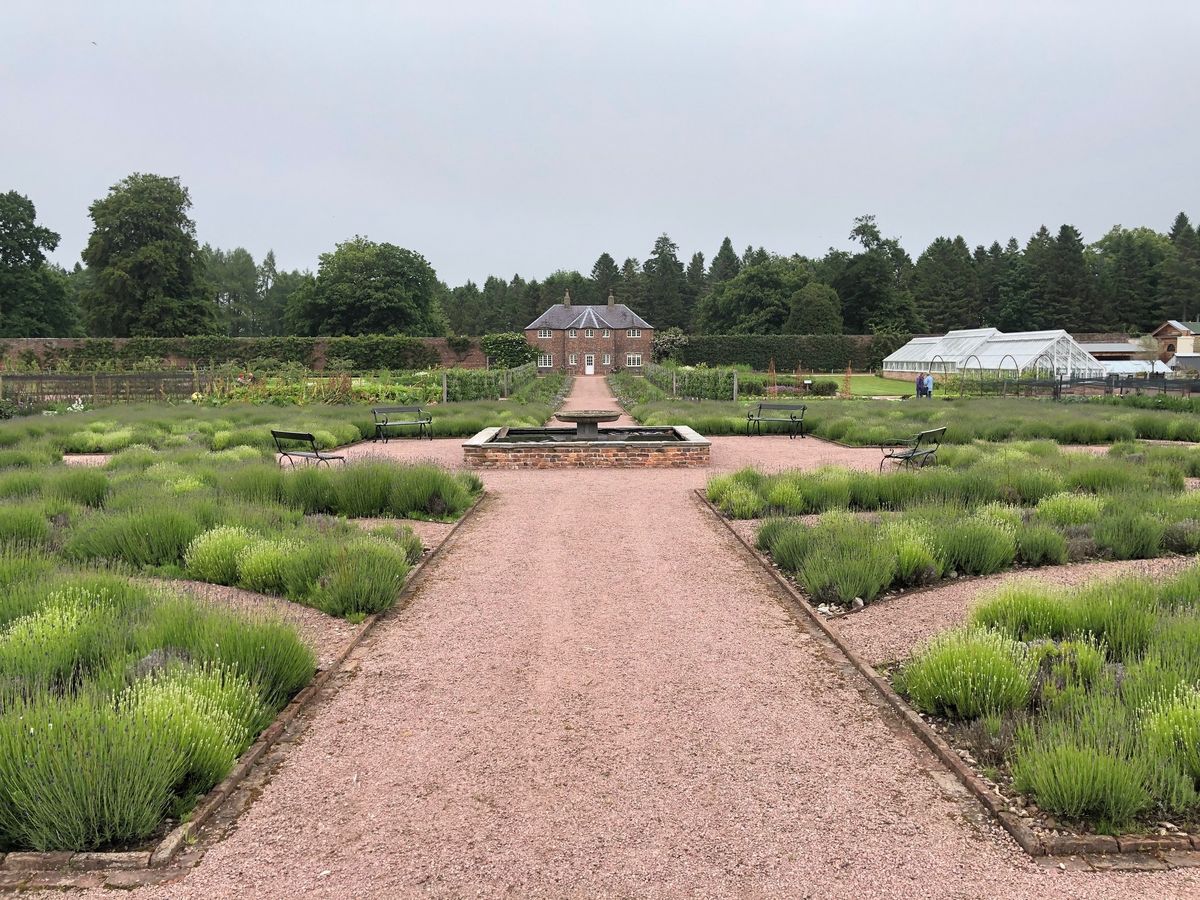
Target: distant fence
97,389
964,384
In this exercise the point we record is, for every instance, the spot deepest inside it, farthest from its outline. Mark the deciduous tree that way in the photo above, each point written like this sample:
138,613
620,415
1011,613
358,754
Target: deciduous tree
35,300
147,275
363,287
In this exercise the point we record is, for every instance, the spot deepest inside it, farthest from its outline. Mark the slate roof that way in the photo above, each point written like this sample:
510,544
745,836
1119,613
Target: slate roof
561,317
1110,346
1185,327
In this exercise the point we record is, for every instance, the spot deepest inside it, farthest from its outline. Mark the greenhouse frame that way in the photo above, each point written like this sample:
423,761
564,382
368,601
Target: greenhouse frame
1034,353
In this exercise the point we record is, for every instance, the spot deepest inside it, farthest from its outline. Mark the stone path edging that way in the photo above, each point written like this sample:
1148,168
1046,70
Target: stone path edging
65,868
1030,841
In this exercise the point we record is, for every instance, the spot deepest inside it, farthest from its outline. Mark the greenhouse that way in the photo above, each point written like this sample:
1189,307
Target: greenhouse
1031,353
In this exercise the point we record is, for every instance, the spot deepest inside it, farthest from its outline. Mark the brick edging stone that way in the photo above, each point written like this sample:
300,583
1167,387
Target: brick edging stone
1029,840
66,868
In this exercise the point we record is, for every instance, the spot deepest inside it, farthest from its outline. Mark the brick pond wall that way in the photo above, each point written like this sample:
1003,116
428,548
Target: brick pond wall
693,451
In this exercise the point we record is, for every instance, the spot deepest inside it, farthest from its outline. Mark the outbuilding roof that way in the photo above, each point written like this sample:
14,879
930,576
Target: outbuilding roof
1110,347
615,316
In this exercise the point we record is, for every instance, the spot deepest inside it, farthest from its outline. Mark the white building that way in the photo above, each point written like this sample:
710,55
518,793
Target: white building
1029,353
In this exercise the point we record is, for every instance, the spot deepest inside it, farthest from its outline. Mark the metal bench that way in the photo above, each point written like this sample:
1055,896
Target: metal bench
408,416
918,451
773,412
285,444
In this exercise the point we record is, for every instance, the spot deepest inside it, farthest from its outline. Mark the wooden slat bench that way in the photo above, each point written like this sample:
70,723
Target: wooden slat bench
774,412
286,444
401,417
918,451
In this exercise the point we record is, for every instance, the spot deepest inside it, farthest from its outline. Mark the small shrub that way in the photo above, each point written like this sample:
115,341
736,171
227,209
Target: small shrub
147,537
1082,782
1173,730
1118,613
1182,537
1038,545
54,797
916,559
1064,509
965,674
24,526
770,531
87,487
1024,611
211,713
974,547
739,501
1129,535
284,566
363,577
213,556
845,560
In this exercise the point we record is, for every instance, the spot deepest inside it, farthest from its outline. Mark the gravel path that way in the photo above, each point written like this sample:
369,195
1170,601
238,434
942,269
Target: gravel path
890,630
596,694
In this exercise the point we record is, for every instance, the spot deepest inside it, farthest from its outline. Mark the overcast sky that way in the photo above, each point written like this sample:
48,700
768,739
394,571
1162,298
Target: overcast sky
499,137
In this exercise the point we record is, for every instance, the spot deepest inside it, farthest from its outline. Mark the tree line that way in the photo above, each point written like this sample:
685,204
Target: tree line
144,273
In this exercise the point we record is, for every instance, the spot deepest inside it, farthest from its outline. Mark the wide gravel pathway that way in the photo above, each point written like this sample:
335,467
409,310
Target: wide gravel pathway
595,694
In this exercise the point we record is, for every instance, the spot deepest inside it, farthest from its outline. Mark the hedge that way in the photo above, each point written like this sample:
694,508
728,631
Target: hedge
363,352
812,352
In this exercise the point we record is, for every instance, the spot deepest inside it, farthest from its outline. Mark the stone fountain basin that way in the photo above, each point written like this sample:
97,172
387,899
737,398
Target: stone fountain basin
586,420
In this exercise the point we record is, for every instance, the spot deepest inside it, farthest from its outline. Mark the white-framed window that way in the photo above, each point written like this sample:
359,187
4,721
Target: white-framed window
571,359
635,332
591,332
633,360
572,333
544,332
546,361
608,359
606,333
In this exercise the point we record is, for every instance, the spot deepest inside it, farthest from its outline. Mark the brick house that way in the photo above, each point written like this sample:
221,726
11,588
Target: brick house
590,340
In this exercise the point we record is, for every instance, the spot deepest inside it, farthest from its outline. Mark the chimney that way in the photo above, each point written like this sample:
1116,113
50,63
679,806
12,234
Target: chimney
612,301
567,297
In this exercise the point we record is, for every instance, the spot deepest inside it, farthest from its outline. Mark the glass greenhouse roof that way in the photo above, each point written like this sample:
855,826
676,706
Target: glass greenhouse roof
992,350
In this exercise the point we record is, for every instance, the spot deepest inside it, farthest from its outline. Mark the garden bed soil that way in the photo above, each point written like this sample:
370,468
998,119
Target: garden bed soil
87,459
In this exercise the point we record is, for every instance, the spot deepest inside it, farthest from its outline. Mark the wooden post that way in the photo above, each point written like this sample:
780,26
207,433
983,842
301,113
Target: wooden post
674,385
735,392
445,389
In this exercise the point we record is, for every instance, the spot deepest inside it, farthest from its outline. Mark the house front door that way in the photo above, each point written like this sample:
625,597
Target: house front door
589,364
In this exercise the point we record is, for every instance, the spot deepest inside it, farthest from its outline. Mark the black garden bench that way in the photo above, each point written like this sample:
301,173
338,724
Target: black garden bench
293,445
918,451
401,417
775,412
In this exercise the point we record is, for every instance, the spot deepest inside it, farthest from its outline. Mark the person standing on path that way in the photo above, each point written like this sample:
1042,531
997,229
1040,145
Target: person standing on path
920,385
929,385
